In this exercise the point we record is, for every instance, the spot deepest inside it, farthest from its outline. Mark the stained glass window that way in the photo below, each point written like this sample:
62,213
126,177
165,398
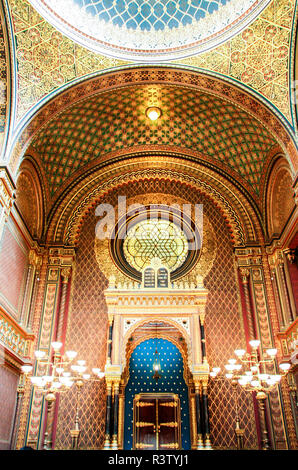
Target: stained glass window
155,238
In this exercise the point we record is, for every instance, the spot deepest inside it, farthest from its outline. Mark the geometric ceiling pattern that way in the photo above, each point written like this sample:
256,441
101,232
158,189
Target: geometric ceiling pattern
209,127
150,30
258,57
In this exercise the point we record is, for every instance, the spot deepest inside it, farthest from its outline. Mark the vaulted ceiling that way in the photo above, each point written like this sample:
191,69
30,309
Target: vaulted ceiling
193,122
258,57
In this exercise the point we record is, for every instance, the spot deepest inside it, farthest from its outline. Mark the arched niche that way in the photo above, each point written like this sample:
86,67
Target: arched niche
29,199
280,200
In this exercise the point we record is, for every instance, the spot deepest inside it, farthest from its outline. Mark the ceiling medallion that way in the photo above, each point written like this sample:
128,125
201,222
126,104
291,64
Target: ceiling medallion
153,113
149,30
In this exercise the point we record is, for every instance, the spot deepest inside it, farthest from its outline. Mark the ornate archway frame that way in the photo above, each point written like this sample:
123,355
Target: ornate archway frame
29,171
279,164
66,217
186,353
183,347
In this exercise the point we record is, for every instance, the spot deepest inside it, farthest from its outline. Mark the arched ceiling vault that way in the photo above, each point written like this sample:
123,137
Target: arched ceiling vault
258,57
202,117
205,121
67,215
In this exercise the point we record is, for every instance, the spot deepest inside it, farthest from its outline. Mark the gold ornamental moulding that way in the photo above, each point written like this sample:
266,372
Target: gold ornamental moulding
66,220
163,75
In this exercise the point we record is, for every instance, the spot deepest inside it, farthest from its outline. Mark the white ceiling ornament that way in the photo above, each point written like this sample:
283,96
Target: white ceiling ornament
149,30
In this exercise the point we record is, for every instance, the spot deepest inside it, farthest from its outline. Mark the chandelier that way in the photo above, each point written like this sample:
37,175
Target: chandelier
255,372
56,373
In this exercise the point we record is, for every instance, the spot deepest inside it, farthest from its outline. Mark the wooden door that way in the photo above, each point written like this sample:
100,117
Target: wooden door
157,422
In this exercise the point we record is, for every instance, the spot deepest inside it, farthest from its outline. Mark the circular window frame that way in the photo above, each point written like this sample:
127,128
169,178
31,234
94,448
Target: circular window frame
129,220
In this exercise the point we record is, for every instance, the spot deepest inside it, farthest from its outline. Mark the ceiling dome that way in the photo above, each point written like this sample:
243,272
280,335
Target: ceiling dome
149,30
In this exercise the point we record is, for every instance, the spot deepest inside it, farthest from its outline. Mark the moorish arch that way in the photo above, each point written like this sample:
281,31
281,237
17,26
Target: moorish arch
215,143
152,78
65,221
30,198
144,329
280,196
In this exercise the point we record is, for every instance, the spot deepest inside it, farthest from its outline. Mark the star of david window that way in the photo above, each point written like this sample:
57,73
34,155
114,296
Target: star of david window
155,234
155,238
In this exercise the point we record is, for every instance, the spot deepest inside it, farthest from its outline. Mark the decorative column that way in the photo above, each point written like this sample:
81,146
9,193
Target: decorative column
107,443
114,445
50,399
58,259
27,294
203,340
110,338
65,276
75,433
289,256
206,415
261,398
238,431
7,196
284,289
198,400
280,314
255,260
244,274
30,287
20,394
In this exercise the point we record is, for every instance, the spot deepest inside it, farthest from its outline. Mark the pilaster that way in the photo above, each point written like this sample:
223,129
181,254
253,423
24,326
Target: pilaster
57,261
7,197
259,291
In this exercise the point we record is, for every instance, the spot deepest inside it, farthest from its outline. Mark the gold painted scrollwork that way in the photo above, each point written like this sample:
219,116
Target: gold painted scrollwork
170,445
171,404
170,425
144,446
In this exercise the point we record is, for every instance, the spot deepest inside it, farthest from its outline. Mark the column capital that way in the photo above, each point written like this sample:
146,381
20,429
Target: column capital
113,373
35,258
290,254
65,274
244,273
200,373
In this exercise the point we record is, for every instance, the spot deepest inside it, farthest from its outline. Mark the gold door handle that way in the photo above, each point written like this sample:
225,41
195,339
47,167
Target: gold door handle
170,424
142,424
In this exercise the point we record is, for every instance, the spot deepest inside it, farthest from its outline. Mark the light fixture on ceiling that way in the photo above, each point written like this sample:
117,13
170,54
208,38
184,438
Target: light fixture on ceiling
156,361
156,366
153,113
